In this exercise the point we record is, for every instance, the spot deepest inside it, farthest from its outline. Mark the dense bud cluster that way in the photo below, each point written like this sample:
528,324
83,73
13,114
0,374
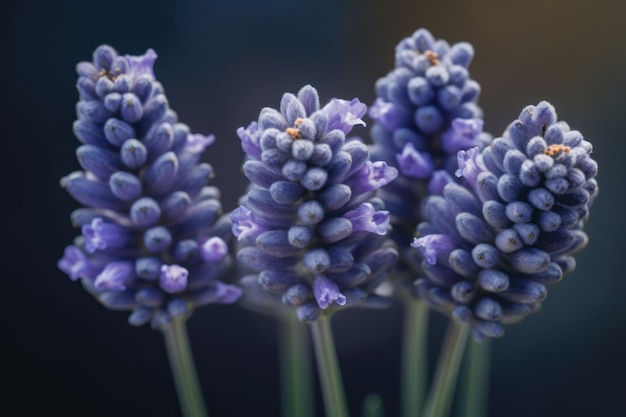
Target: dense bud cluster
152,238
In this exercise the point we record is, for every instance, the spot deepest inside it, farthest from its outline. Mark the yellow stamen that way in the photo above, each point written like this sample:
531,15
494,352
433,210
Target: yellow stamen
432,57
553,150
294,133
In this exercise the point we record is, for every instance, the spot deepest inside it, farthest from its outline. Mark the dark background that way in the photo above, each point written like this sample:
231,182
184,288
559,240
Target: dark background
220,63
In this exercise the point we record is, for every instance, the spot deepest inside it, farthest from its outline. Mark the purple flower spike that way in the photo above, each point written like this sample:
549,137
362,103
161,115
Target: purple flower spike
326,292
173,278
147,196
311,208
425,111
512,234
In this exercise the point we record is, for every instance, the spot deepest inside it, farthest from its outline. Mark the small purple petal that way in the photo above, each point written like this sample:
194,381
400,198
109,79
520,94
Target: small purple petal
214,249
173,278
326,292
371,177
414,163
388,114
73,263
463,134
115,276
100,235
196,143
367,219
250,141
470,165
245,224
434,247
142,64
344,114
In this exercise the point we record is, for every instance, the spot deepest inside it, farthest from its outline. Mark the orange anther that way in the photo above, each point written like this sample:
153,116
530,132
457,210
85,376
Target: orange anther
553,150
294,133
433,57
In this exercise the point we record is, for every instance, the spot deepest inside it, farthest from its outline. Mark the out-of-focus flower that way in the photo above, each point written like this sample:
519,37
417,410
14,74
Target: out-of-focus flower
152,231
490,247
424,113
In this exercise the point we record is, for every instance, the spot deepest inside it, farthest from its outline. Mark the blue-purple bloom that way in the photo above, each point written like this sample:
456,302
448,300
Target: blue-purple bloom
310,228
490,246
153,233
424,113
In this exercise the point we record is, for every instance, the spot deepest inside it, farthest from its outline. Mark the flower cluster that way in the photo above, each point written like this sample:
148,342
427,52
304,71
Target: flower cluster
425,112
490,247
152,233
311,227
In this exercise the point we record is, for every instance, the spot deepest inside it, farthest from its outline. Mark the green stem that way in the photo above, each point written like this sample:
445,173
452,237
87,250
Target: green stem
184,369
328,369
295,364
414,357
442,391
475,382
373,406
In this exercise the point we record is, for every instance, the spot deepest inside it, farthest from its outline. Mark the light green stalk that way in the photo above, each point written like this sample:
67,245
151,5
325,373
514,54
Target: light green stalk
295,364
183,369
328,368
414,362
442,392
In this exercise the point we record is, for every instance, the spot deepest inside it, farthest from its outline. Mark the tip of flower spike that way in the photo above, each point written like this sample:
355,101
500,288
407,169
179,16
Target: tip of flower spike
142,64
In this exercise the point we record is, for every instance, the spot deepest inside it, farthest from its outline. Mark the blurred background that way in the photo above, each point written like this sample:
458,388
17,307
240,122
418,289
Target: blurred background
220,63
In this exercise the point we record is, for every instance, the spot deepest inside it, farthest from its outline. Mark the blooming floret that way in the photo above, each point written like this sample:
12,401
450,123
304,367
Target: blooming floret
310,227
489,248
152,231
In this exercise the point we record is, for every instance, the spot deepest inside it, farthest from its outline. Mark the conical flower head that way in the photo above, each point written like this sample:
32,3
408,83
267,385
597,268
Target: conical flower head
490,247
153,235
310,227
425,112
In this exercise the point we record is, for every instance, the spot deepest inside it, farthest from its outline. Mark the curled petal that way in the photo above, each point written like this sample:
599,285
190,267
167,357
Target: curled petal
367,219
326,292
344,114
434,247
245,223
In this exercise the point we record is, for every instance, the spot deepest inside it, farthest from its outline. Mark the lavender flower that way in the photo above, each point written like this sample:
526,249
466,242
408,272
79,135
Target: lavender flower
425,112
310,227
152,237
489,248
